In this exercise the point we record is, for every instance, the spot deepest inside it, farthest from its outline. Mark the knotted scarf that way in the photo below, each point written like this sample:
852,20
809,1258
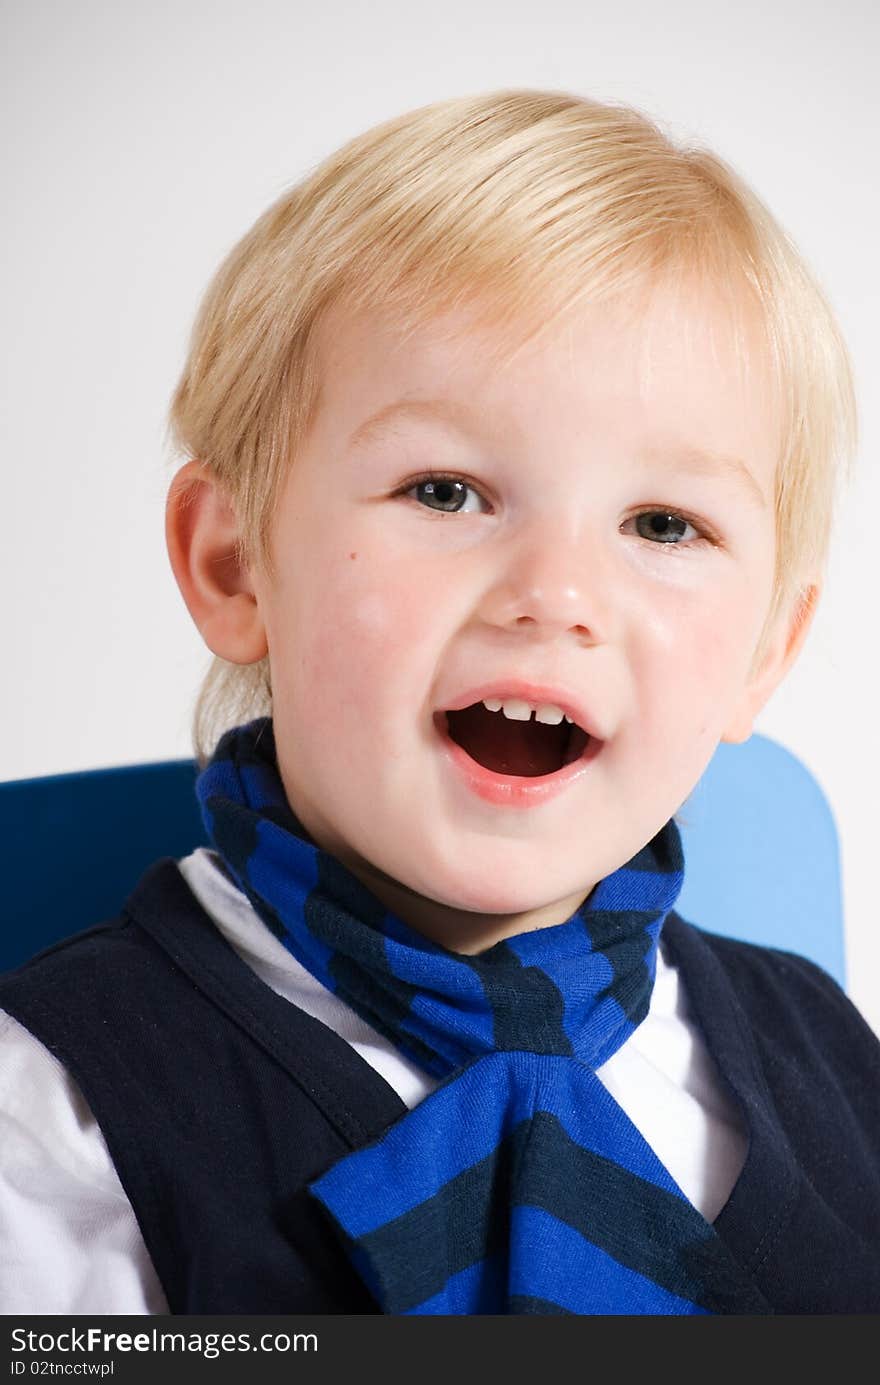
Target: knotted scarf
518,1185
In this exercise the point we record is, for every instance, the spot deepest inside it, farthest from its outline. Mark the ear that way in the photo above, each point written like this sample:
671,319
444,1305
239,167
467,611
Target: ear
201,533
783,647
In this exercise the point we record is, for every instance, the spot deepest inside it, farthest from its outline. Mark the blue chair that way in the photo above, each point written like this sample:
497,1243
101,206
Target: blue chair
73,846
762,860
760,845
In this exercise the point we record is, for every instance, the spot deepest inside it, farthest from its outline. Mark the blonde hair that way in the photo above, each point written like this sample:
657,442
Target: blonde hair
525,203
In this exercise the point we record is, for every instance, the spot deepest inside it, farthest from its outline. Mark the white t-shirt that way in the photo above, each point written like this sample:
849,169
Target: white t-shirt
69,1241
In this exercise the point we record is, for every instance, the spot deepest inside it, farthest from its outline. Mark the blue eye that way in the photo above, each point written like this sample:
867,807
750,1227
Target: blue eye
662,527
444,494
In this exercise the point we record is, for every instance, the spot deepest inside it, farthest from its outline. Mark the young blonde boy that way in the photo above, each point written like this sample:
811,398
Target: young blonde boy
511,407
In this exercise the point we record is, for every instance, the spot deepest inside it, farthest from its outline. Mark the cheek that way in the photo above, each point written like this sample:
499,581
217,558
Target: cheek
692,667
353,639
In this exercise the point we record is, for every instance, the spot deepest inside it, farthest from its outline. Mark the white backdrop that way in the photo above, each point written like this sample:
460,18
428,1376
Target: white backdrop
142,140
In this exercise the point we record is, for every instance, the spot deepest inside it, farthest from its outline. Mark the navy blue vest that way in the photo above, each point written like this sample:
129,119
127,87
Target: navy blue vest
220,1101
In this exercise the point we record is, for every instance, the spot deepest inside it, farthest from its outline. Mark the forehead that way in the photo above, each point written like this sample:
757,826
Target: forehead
684,362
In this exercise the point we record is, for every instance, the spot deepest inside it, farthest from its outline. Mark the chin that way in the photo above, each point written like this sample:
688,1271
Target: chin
485,897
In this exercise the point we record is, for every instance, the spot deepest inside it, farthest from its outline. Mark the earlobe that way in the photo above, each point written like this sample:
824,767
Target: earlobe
201,534
782,650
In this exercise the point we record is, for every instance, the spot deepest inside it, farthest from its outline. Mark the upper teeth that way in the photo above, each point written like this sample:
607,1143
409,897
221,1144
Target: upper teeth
518,710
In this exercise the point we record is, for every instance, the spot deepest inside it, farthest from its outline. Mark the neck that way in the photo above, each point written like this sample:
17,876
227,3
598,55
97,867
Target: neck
459,930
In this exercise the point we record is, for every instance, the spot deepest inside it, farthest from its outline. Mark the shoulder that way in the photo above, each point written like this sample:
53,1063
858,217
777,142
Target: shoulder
106,951
795,1011
107,980
83,978
762,972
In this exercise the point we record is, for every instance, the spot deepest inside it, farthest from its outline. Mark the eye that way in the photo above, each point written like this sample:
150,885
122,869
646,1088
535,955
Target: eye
668,527
443,494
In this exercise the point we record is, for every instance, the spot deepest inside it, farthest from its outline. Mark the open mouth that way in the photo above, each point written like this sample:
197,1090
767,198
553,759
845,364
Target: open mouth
506,746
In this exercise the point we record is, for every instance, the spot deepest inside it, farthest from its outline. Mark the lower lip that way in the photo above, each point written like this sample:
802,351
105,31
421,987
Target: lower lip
513,790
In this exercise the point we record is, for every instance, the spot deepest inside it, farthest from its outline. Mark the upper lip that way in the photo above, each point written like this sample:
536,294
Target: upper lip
537,694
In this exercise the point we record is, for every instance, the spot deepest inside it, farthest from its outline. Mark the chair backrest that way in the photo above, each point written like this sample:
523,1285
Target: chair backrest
760,845
762,860
73,846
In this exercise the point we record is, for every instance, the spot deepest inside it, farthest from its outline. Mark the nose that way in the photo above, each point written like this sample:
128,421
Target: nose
552,581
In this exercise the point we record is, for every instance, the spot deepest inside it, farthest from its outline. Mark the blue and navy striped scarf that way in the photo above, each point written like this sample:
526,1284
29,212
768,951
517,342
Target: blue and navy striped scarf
518,1185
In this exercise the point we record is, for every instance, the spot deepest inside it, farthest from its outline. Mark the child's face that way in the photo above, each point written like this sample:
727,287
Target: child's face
388,609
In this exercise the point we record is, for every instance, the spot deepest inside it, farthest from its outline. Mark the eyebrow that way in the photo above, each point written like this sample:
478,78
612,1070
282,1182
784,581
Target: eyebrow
694,461
435,410
683,458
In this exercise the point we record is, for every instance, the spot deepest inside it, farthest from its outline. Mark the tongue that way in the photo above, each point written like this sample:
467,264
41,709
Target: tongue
495,741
